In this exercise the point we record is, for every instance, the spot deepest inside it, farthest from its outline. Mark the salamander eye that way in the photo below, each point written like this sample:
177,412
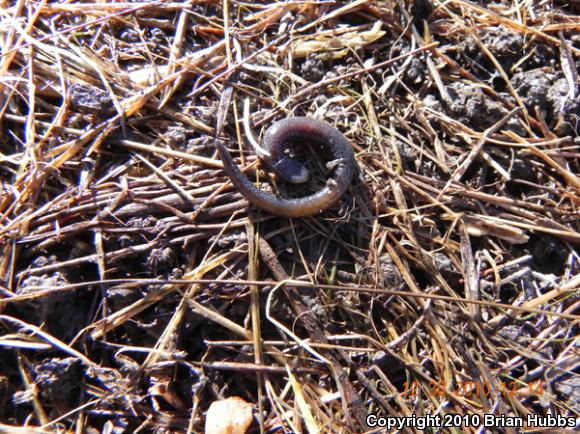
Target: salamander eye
291,170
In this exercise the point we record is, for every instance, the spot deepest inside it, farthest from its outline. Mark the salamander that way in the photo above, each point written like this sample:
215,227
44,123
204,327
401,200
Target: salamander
277,139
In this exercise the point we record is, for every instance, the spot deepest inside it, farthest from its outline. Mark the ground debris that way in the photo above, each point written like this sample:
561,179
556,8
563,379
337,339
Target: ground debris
138,288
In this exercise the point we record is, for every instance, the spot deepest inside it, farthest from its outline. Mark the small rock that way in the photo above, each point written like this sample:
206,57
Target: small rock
228,416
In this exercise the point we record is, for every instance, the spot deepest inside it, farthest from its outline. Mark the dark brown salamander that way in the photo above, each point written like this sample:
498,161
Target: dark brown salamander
298,130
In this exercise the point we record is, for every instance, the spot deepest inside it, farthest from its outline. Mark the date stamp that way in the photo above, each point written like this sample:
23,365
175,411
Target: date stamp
472,389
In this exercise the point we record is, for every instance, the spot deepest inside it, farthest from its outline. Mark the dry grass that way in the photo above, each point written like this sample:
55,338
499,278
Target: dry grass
138,286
